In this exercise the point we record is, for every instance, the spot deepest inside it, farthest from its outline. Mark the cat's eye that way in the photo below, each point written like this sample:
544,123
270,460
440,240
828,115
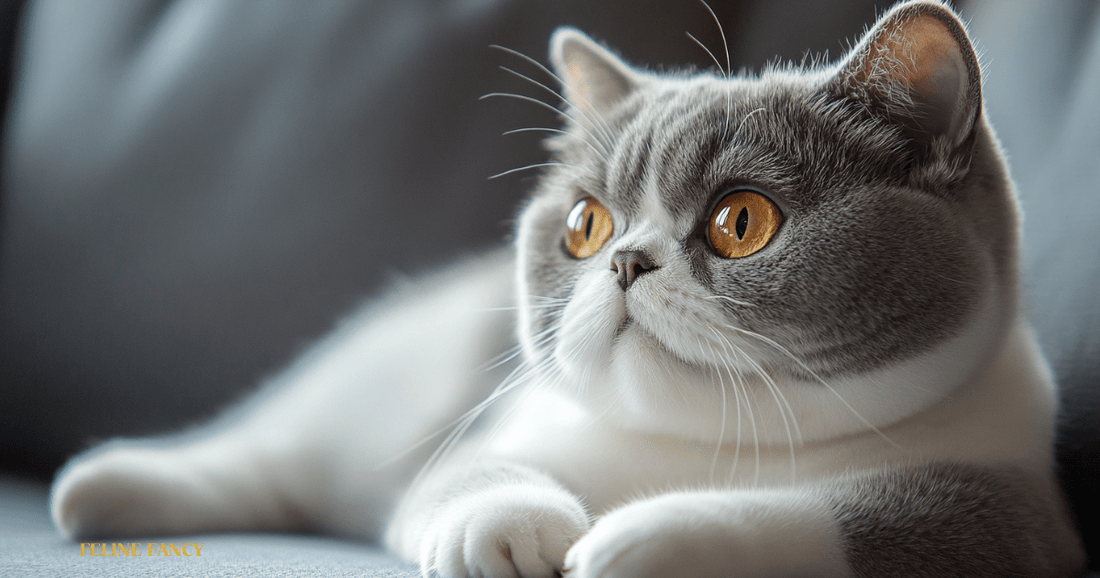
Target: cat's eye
588,227
743,223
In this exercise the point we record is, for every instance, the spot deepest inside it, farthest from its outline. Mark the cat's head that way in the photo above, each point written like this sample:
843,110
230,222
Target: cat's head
834,244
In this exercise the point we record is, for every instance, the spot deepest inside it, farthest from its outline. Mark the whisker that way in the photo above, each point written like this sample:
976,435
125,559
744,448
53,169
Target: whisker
503,357
606,129
534,128
735,351
737,401
472,412
773,388
540,370
729,67
743,121
722,428
555,110
535,166
599,153
725,44
515,350
586,113
461,425
543,306
806,368
712,57
731,300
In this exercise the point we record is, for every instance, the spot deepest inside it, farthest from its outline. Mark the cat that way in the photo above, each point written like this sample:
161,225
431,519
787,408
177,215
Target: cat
769,327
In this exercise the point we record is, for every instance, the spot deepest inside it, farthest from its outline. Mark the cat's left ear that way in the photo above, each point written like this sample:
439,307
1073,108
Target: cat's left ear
918,59
594,80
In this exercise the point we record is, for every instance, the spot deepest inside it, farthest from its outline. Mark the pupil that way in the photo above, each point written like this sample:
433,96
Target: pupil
742,223
588,227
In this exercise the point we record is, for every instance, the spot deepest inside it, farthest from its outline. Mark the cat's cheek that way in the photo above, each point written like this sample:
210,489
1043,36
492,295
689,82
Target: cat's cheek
711,535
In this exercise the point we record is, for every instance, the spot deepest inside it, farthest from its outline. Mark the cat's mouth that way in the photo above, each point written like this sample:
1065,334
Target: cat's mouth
649,338
623,326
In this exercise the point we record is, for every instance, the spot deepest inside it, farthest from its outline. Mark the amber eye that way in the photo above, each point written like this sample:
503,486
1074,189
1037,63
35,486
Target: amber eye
743,223
588,227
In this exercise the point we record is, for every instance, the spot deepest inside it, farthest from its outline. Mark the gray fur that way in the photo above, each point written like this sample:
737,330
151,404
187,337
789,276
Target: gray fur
946,521
891,238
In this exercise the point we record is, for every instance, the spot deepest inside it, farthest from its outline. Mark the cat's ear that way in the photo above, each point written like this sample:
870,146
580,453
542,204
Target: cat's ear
918,59
594,79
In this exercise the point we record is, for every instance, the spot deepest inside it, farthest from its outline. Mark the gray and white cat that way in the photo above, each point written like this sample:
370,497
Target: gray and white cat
769,327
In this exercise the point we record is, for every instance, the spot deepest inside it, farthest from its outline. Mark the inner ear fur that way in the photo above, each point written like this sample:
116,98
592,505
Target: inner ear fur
594,79
919,56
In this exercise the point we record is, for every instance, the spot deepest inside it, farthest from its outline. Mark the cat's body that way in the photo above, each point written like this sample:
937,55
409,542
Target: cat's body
769,326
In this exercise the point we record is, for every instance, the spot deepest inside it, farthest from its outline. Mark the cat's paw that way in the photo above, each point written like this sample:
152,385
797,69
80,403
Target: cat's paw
516,531
707,535
133,491
115,493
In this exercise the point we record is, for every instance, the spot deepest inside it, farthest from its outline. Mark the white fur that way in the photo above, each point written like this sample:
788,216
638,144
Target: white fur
522,527
1001,416
713,534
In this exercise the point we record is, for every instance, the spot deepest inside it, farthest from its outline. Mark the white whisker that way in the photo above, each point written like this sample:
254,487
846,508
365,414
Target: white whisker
722,429
711,54
732,300
534,166
776,393
728,70
555,110
814,374
599,153
735,351
743,121
603,144
599,119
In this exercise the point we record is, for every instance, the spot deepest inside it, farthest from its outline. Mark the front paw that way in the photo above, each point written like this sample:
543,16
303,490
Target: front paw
710,535
514,531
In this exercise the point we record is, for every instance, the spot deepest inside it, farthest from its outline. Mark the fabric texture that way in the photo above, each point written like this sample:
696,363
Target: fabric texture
30,546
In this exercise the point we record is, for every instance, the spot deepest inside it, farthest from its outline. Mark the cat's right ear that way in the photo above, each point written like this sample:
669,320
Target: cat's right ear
594,80
918,62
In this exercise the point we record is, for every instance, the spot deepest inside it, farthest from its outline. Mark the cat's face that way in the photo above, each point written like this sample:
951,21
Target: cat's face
830,247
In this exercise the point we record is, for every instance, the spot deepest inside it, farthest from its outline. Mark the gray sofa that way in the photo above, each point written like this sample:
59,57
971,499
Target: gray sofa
193,191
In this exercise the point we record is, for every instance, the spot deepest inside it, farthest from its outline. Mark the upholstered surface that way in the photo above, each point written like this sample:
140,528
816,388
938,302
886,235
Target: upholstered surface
29,546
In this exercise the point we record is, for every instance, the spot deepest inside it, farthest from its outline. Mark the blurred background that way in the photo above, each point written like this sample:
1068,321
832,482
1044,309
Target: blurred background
192,191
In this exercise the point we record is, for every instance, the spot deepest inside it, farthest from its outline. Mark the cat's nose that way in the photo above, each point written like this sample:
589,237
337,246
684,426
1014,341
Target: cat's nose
631,264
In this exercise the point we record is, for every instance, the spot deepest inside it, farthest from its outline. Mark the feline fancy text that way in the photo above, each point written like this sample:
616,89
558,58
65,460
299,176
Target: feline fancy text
135,549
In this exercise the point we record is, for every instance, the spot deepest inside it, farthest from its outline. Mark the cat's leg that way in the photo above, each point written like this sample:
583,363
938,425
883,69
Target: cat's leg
941,521
491,519
329,445
131,488
765,533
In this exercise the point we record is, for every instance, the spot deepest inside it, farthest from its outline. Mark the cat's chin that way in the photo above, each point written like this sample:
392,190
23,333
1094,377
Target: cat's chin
641,384
631,387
